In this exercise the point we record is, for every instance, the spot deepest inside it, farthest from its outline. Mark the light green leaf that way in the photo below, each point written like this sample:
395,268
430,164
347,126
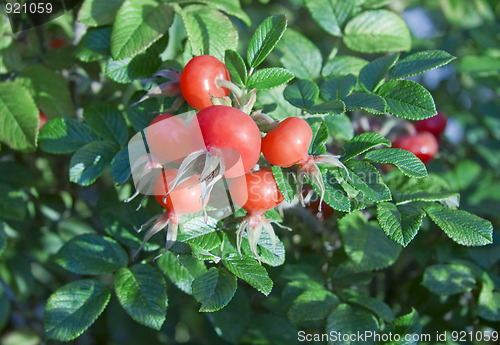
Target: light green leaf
340,127
407,99
138,24
94,45
107,121
181,269
337,87
374,305
250,271
480,66
323,13
268,78
407,162
142,292
343,65
98,12
448,199
448,279
120,166
236,66
71,309
462,227
231,7
209,31
302,94
405,326
312,305
362,143
467,14
400,223
299,55
377,31
265,249
20,119
214,289
373,74
367,101
420,62
92,254
283,182
60,136
265,38
90,161
489,300
346,319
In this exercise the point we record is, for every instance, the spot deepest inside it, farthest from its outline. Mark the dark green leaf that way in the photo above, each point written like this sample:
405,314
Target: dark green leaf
346,319
420,62
250,271
377,31
400,223
232,322
323,13
333,107
232,8
374,305
407,326
236,66
90,161
448,279
343,65
367,101
406,161
92,254
98,13
284,184
265,249
107,121
312,305
362,143
265,38
337,87
181,269
127,70
71,309
94,45
462,227
3,239
320,137
365,178
12,203
120,166
214,289
142,292
373,74
407,99
60,136
268,78
489,300
4,308
335,196
302,94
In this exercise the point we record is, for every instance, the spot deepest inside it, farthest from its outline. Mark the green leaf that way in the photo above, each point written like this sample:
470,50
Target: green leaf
373,74
462,227
250,271
480,66
448,279
60,136
366,244
90,161
71,309
448,199
405,326
400,223
299,55
268,78
3,239
488,303
94,45
195,231
283,182
333,107
12,203
98,13
20,119
374,305
420,62
4,308
375,3
265,38
129,69
407,99
138,24
107,121
362,143
365,177
302,94
335,196
120,166
346,319
181,269
343,65
92,254
377,31
467,14
337,87
214,289
232,322
142,292
231,7
312,306
340,127
265,249
320,137
407,162
366,101
236,66
323,13
50,90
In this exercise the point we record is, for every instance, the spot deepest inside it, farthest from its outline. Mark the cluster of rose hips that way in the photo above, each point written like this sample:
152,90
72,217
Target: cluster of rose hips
222,141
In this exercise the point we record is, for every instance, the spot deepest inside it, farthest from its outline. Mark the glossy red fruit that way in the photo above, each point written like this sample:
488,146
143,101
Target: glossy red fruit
168,139
435,125
198,81
232,132
43,119
423,145
288,143
184,199
256,192
58,42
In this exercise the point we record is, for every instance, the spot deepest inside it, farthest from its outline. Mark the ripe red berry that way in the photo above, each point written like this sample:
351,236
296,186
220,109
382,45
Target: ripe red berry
58,42
435,125
423,145
43,120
